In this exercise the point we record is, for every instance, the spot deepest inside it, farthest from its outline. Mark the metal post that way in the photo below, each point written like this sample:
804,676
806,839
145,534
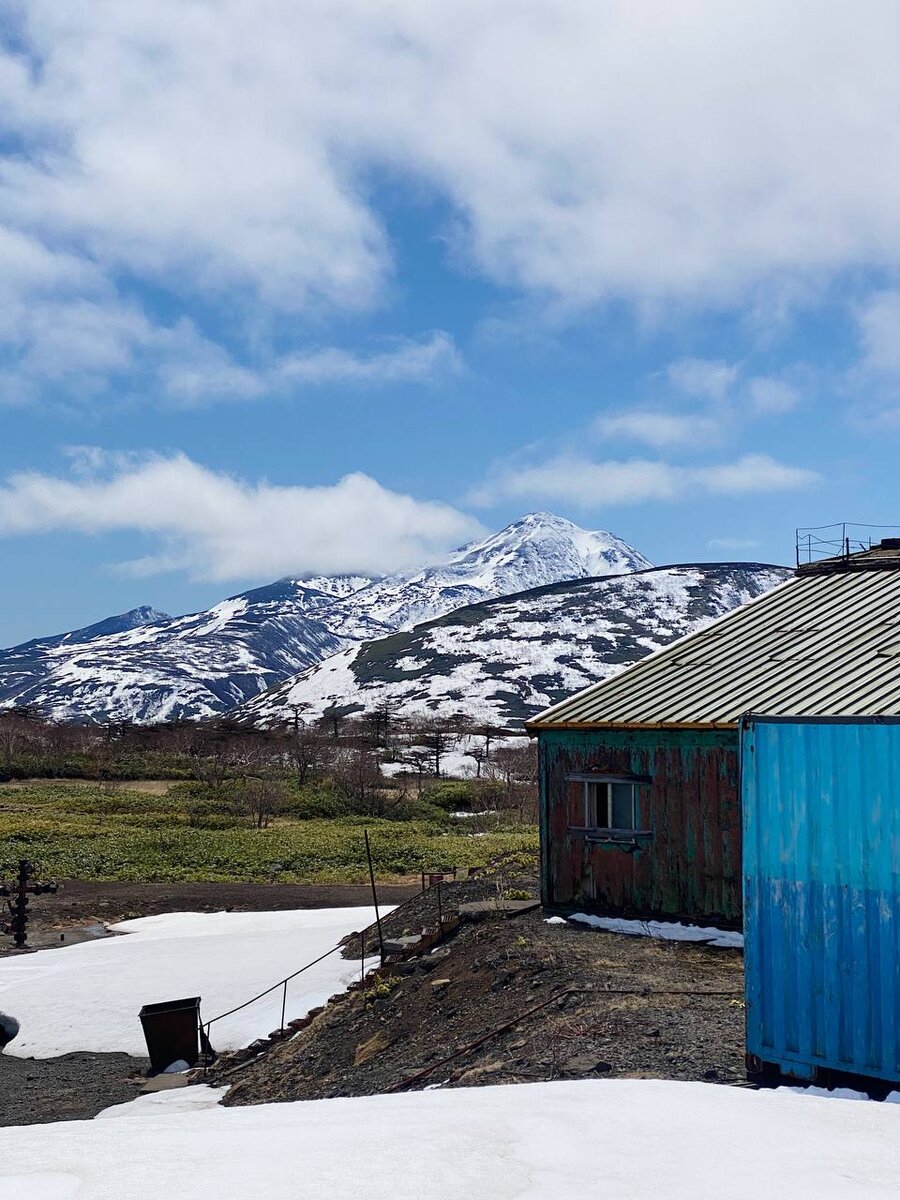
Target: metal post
20,918
374,896
283,1004
362,958
440,909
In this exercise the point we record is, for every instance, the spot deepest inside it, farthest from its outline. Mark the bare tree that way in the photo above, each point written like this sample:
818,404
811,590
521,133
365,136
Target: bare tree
478,754
261,799
432,733
419,758
356,775
515,767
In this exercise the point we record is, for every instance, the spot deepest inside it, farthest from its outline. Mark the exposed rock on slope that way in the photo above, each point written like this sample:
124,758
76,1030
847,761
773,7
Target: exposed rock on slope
504,660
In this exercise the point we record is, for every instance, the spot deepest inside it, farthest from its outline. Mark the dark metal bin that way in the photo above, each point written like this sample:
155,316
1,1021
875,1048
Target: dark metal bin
172,1032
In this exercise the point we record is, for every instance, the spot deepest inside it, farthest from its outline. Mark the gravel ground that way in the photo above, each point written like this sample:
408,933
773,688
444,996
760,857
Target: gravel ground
558,1001
74,1087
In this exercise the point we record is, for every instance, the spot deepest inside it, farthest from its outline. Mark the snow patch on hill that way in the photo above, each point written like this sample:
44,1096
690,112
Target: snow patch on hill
506,659
145,666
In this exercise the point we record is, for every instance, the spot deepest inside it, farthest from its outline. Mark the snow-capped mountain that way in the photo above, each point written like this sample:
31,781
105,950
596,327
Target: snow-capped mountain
145,666
540,548
196,665
504,660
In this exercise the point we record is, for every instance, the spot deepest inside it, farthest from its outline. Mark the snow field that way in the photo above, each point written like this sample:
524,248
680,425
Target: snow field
87,997
623,1139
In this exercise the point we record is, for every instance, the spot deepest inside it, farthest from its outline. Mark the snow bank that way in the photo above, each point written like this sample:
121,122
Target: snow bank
667,930
87,997
630,1139
839,1093
185,1099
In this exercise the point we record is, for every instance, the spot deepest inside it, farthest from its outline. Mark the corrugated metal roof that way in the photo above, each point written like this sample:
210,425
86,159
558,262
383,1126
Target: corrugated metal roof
818,645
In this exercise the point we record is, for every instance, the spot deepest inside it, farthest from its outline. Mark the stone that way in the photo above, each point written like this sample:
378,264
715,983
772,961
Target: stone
585,1064
438,985
162,1083
474,1073
368,1049
9,1027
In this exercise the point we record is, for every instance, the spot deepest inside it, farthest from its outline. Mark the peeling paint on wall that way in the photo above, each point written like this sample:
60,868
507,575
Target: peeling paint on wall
690,868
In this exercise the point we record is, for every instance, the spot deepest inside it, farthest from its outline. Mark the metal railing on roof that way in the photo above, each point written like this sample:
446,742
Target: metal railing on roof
841,540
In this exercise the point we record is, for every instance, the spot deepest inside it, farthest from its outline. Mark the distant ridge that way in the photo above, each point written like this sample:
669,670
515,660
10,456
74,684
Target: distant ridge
145,666
503,660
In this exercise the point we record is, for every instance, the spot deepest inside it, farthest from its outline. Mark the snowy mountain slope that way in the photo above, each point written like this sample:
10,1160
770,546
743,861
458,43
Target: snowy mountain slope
151,667
192,666
24,667
538,549
506,659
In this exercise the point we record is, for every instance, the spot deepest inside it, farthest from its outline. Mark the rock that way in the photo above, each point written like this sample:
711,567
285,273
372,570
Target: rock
585,1064
371,1047
9,1027
430,961
474,1073
438,985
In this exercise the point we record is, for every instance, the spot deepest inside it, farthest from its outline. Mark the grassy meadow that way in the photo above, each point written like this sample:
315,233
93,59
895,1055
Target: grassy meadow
155,831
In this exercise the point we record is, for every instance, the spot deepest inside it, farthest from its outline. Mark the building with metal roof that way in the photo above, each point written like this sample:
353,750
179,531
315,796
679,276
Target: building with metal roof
640,809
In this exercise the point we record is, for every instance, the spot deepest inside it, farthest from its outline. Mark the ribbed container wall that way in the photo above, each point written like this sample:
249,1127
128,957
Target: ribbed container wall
821,853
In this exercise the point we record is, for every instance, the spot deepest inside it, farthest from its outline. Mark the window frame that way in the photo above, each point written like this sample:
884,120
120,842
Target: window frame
629,836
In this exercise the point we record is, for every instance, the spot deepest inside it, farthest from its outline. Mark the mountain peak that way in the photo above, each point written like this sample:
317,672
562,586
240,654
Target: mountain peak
144,666
135,618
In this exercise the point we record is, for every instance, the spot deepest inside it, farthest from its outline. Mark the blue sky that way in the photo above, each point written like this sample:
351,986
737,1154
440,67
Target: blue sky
333,287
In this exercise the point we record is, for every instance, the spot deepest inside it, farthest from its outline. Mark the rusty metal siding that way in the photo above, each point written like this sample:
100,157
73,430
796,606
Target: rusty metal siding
690,868
821,803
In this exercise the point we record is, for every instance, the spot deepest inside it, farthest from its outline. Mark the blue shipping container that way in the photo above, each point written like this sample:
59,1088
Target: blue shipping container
821,817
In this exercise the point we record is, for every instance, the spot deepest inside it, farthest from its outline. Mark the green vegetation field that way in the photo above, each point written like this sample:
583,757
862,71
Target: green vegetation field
85,831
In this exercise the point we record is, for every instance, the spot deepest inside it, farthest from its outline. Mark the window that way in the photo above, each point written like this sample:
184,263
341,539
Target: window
607,808
610,805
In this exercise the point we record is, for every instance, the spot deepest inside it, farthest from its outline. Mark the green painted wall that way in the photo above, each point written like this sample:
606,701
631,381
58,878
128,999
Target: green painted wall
691,867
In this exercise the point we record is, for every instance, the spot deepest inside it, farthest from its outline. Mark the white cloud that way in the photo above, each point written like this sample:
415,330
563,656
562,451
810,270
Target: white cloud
703,378
587,151
208,374
772,397
64,326
659,429
220,528
879,328
577,480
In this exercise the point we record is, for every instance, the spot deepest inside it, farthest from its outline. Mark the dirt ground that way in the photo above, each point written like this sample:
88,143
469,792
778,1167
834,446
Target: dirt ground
550,1001
80,910
73,1087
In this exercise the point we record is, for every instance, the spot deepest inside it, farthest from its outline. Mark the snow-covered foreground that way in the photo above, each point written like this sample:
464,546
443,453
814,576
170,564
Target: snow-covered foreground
628,1139
667,931
87,997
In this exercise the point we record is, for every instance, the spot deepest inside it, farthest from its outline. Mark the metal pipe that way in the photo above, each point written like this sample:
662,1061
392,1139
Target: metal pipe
374,896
